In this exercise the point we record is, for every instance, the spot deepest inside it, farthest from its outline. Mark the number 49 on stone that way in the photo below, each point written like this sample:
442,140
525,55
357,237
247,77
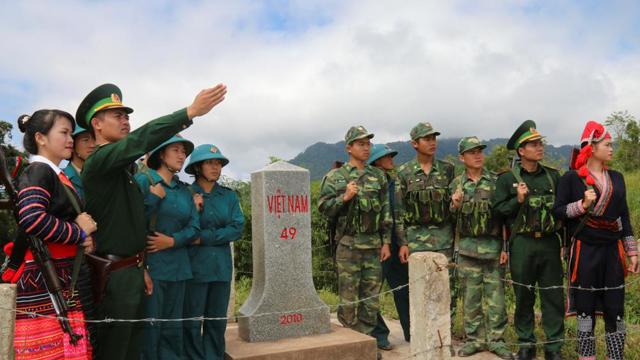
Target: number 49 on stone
288,233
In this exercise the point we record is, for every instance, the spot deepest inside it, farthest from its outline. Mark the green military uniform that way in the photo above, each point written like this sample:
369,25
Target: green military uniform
478,246
221,223
534,243
115,202
363,225
424,206
174,215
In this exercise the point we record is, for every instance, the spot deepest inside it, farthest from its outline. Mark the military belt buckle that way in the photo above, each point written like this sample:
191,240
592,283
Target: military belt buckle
537,234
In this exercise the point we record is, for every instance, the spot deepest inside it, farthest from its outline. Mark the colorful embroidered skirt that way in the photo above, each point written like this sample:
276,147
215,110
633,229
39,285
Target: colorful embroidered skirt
42,338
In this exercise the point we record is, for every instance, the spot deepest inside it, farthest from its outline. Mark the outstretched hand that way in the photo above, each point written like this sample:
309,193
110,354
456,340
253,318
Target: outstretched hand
206,100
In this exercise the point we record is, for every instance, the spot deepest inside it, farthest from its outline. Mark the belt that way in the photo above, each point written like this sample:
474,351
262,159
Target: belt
119,262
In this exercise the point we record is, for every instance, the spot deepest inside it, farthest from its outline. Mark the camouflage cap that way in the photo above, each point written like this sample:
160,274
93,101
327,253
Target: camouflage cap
421,130
469,143
356,133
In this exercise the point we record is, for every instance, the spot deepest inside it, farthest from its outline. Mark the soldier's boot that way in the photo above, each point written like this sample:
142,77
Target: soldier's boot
526,353
586,340
501,350
469,349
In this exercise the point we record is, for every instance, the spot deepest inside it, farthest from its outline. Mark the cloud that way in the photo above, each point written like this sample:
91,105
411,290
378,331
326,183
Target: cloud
299,72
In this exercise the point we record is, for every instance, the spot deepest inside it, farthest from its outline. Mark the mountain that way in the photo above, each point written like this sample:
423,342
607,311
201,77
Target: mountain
319,157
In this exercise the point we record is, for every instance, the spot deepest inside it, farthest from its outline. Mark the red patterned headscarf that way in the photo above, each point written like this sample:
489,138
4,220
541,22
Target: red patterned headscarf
593,133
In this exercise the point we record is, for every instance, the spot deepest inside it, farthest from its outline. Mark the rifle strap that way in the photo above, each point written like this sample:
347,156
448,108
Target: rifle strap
77,261
153,220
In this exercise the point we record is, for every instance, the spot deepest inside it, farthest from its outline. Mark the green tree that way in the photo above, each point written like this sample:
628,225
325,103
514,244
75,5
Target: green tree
499,159
626,134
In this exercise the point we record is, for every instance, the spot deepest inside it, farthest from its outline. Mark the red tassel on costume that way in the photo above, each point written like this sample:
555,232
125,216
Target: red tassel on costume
581,164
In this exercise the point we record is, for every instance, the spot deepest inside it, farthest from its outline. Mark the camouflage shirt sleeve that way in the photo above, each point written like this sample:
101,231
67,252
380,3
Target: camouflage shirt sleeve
387,220
452,190
330,202
400,210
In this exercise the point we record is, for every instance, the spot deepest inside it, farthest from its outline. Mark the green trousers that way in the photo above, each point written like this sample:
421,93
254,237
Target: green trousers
163,340
124,299
359,277
537,262
208,299
482,287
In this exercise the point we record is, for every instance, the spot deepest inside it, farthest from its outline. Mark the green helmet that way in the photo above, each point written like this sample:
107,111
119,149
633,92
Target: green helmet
78,130
380,150
154,157
202,153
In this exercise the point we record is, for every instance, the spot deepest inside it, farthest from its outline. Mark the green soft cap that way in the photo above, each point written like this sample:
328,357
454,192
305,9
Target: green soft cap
469,143
356,133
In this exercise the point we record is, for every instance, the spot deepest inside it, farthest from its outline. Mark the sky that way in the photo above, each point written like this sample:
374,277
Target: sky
299,72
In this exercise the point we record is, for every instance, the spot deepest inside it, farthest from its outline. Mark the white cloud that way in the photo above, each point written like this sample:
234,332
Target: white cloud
306,71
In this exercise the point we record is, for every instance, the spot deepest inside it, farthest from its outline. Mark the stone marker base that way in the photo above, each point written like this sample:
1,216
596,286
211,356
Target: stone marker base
340,343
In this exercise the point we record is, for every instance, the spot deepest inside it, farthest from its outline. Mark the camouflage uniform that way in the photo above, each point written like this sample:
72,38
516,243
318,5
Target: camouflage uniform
363,225
424,201
479,246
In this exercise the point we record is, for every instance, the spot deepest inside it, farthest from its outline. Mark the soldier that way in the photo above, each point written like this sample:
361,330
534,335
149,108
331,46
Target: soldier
524,196
83,145
221,223
479,247
173,225
425,198
115,201
356,194
395,269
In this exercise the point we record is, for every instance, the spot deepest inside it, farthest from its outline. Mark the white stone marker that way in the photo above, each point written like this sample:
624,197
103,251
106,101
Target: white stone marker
282,280
429,300
7,320
231,309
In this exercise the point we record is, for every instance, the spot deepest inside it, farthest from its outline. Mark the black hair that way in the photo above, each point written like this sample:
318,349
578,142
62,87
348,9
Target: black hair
40,122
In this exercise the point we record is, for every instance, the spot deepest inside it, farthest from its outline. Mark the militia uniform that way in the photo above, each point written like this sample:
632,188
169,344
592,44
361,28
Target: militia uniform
221,223
534,246
363,226
116,203
395,272
479,246
424,206
174,215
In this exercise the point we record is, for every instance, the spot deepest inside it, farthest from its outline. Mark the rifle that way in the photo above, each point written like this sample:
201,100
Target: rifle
456,235
42,257
507,233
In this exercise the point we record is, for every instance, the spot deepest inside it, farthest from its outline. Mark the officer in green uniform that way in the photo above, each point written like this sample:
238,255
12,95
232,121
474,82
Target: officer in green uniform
356,194
524,196
83,145
395,270
116,203
221,222
425,200
173,225
478,246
